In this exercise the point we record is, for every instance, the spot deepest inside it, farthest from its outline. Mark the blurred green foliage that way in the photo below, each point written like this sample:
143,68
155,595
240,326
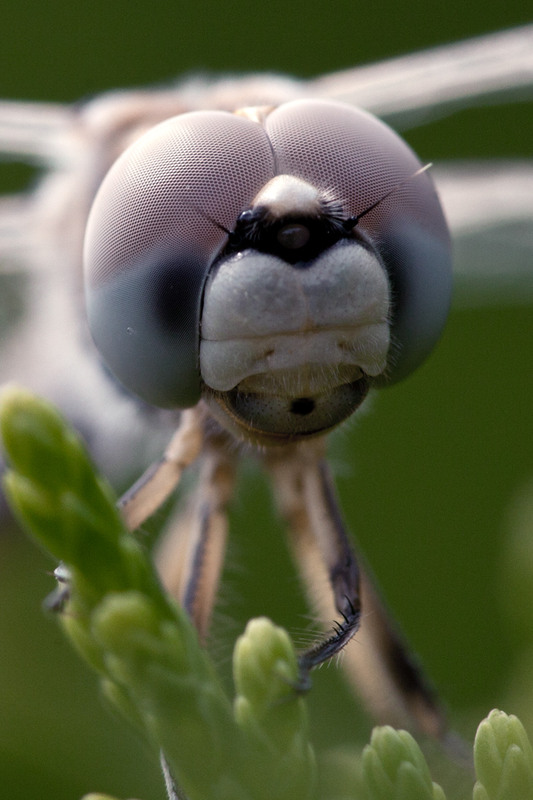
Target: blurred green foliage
428,476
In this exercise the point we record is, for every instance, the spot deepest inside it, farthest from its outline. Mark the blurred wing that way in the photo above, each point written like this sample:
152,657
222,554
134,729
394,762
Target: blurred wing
38,133
489,207
43,135
414,89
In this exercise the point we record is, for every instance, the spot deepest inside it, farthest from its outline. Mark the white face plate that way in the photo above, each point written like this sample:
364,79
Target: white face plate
262,316
292,339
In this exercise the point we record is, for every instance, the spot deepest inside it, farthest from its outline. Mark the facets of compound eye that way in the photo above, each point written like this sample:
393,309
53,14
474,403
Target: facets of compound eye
157,223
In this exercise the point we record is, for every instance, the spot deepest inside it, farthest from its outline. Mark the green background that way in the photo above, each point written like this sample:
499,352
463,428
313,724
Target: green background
428,476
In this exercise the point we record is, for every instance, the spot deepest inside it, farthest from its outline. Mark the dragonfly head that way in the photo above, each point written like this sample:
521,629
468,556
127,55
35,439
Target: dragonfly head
275,265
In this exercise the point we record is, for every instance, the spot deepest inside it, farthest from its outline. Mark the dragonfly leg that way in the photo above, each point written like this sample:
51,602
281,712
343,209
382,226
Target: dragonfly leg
304,495
161,478
190,556
378,662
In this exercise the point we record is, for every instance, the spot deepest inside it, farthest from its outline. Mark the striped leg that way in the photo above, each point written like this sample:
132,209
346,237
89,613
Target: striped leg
377,662
190,556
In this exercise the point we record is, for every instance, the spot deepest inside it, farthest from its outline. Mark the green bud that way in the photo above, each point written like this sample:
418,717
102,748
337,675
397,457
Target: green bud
46,451
503,758
264,665
33,436
272,714
266,674
395,769
52,487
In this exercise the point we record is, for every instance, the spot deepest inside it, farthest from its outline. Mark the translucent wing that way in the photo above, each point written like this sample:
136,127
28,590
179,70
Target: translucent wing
414,89
489,207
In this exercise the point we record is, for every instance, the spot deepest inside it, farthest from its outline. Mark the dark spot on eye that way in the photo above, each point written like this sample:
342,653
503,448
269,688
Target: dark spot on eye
303,406
176,292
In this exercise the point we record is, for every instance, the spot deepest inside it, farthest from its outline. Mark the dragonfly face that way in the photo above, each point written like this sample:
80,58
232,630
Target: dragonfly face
259,270
264,261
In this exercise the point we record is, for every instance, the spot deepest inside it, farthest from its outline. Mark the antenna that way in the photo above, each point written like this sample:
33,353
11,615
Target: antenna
350,223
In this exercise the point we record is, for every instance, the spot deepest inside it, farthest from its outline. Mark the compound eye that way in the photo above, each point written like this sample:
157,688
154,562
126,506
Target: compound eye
349,155
156,225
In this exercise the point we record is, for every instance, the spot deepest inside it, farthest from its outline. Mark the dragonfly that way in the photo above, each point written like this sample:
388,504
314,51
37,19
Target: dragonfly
288,272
